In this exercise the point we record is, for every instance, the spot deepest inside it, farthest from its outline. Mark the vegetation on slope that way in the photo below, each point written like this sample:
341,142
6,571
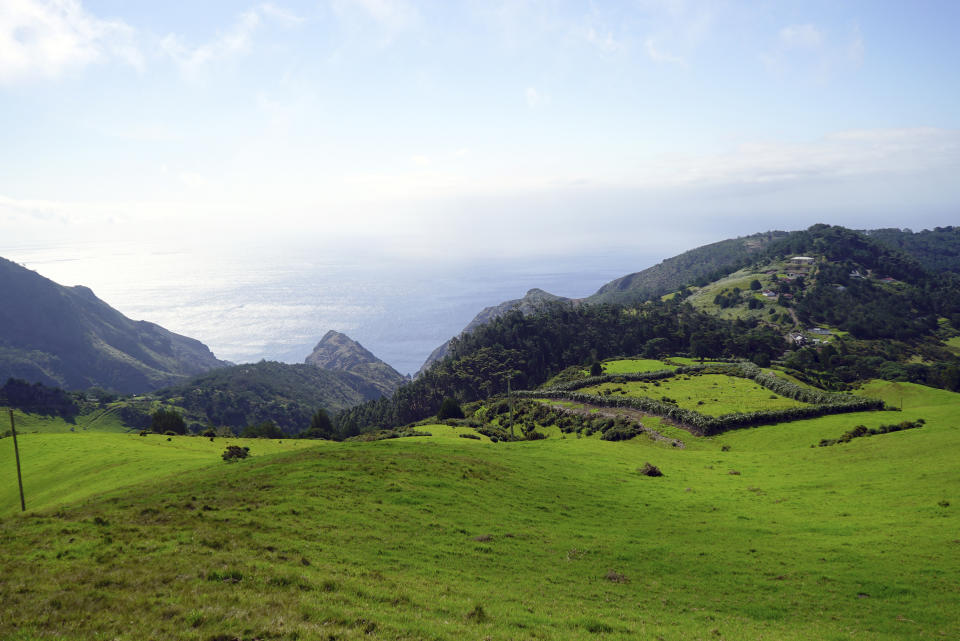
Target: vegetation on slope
448,538
287,395
524,351
67,337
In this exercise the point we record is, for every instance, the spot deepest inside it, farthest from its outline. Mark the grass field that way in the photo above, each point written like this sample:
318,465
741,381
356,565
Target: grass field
62,468
101,420
711,394
634,365
444,537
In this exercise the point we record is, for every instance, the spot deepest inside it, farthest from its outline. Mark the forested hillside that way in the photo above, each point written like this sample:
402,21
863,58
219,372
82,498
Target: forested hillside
695,267
527,350
936,249
286,394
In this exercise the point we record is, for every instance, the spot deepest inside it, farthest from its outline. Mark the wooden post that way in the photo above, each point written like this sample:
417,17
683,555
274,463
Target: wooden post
16,453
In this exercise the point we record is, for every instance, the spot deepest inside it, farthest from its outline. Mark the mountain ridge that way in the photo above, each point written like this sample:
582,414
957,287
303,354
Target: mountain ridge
68,337
338,352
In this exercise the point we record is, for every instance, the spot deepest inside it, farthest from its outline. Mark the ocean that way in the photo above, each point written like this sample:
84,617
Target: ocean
252,302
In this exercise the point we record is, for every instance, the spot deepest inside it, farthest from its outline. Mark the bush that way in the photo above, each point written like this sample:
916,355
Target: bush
449,408
164,421
235,453
473,436
649,469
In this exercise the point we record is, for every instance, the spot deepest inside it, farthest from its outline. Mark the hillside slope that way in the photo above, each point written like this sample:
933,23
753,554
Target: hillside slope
338,352
696,266
286,394
532,301
752,535
66,336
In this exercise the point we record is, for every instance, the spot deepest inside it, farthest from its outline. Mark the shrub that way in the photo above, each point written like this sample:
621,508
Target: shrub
449,408
477,614
472,436
164,421
650,469
621,432
235,453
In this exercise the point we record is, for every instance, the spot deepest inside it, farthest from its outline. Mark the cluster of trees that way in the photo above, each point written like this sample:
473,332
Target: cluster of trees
523,351
167,420
37,398
861,431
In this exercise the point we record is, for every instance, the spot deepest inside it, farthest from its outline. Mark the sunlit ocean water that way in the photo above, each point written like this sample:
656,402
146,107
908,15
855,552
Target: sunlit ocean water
255,303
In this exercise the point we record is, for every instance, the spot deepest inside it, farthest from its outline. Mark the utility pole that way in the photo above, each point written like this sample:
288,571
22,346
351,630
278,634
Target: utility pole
16,453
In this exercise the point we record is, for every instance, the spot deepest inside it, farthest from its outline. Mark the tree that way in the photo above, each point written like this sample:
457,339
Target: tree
167,421
755,285
449,408
266,429
596,369
320,426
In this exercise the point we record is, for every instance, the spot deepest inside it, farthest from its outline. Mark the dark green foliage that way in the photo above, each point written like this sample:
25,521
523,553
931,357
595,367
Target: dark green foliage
650,469
695,267
468,435
596,369
820,403
449,408
164,420
135,417
937,250
266,429
320,426
38,399
285,394
621,432
755,285
235,453
862,430
527,350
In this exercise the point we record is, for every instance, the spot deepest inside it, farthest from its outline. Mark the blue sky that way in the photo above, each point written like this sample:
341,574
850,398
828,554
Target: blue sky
497,127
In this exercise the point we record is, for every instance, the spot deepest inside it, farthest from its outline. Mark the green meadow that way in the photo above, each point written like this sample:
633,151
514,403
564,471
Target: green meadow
711,394
62,468
753,534
634,365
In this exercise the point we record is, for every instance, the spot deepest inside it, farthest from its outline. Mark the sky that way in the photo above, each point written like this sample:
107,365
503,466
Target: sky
474,127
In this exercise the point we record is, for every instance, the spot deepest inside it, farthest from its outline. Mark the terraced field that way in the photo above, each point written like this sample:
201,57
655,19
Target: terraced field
710,394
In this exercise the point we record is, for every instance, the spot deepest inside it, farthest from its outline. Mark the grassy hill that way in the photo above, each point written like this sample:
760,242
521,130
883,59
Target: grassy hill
750,534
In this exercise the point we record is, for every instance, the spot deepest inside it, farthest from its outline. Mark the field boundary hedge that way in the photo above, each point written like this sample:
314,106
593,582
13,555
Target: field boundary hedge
819,403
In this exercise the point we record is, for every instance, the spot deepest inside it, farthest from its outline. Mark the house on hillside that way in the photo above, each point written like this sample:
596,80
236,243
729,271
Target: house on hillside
769,293
802,260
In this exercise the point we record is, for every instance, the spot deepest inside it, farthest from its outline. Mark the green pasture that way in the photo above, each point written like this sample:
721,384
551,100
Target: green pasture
100,420
711,394
635,365
749,535
63,468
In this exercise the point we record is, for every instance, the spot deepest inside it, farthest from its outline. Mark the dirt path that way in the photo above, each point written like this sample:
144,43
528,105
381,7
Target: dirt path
613,412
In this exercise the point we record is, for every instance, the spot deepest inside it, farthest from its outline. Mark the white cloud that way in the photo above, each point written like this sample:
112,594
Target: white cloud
236,40
657,55
43,39
536,99
805,49
604,42
392,16
802,36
